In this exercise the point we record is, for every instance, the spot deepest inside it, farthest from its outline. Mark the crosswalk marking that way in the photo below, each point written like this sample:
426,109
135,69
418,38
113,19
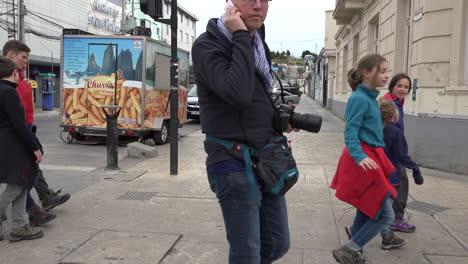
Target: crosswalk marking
67,168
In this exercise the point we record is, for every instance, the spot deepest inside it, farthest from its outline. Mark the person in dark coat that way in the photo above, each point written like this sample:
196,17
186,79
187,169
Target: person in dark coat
18,52
19,155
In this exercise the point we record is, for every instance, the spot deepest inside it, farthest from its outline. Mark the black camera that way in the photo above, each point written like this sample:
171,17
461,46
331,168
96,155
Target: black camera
305,121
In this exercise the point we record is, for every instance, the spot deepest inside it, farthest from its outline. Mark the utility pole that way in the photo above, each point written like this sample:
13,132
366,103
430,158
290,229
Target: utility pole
21,13
153,8
174,124
11,19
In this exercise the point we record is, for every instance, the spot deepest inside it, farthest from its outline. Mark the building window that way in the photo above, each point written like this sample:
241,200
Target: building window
181,18
167,30
142,23
181,38
168,9
465,77
193,39
345,69
187,37
355,49
373,36
408,34
337,70
188,22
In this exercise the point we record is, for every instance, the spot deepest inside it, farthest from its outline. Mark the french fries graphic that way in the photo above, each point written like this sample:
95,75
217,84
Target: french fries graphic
83,107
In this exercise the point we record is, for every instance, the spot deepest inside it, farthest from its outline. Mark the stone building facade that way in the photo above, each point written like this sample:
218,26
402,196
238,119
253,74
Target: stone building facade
428,40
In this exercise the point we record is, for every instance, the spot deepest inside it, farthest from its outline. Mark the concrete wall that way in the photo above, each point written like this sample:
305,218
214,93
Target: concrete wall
330,30
338,107
440,143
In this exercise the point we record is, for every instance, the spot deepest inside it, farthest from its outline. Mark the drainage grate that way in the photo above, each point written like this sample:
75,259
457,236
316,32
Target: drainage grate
426,208
138,196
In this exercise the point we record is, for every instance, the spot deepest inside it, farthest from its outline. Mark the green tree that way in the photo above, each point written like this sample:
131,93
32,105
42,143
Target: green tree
288,53
301,70
306,52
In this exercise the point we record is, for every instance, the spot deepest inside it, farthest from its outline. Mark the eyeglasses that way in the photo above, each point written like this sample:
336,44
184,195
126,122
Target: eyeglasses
251,2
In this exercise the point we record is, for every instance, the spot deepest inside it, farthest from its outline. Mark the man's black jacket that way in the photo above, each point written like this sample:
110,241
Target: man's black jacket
234,103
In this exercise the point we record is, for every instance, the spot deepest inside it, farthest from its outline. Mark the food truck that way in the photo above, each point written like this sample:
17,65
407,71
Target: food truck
132,72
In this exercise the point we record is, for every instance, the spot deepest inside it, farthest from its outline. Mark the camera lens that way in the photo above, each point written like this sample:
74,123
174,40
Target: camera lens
307,122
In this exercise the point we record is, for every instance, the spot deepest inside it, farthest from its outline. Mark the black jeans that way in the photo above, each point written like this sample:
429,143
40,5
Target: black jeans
42,189
399,204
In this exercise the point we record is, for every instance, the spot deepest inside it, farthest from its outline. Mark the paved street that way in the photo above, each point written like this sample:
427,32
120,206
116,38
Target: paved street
68,165
146,215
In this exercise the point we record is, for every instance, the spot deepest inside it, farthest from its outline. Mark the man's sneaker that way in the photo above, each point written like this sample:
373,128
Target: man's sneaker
344,255
401,225
37,216
390,241
24,233
54,199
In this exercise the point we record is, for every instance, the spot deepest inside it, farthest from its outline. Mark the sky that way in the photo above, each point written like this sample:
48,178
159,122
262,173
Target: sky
294,25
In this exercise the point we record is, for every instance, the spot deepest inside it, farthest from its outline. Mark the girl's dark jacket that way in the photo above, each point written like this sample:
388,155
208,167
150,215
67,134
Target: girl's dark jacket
234,103
17,160
396,150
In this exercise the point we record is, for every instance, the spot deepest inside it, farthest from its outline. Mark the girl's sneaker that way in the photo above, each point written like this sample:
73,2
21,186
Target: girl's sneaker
390,241
400,225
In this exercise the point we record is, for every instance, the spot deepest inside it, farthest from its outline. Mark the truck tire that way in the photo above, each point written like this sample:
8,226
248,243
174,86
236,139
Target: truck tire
77,136
161,137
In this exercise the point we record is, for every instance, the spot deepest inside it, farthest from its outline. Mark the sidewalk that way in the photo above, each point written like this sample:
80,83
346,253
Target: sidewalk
159,218
38,112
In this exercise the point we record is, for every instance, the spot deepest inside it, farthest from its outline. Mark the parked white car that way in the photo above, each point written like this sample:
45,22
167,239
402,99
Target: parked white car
288,98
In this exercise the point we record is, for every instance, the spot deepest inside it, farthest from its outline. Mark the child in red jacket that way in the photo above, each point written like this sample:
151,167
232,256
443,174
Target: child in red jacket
361,178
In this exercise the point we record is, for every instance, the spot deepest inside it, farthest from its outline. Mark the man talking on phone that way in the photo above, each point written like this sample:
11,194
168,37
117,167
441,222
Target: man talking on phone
232,69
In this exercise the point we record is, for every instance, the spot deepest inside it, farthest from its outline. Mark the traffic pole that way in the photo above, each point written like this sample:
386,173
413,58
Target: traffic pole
174,125
112,136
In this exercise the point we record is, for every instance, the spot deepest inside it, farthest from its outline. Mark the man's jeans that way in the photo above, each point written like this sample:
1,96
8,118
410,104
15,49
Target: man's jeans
364,229
257,234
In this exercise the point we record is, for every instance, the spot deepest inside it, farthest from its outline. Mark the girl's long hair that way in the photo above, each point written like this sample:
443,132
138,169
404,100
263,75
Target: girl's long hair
388,110
366,63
